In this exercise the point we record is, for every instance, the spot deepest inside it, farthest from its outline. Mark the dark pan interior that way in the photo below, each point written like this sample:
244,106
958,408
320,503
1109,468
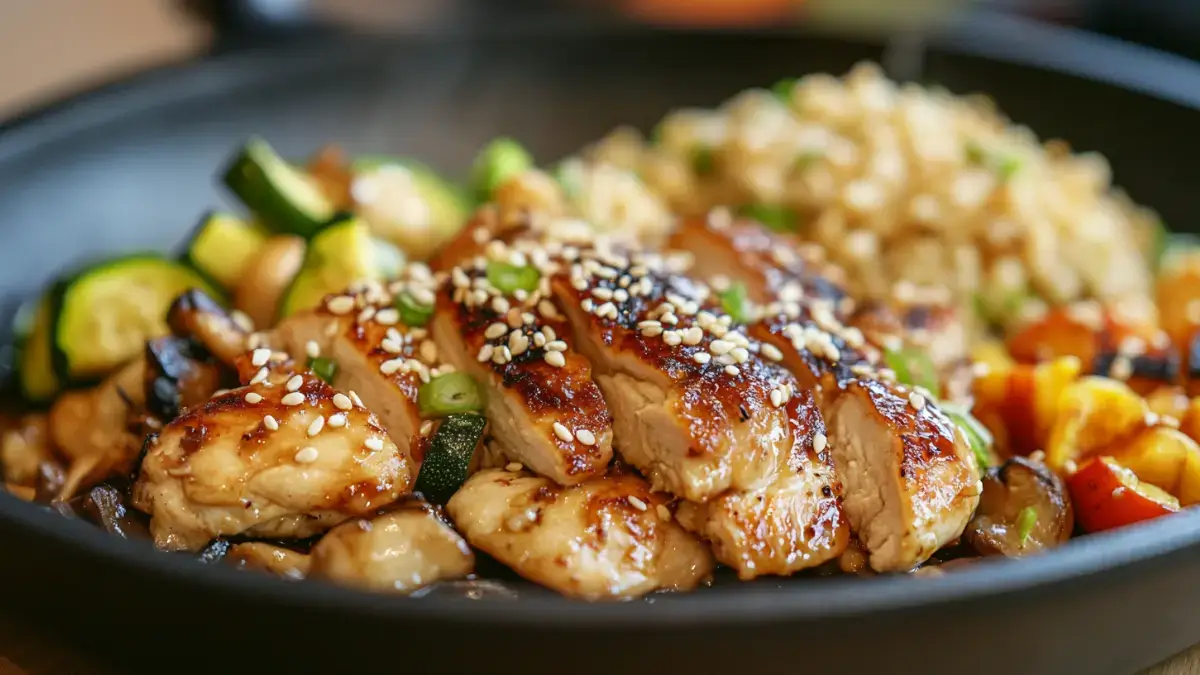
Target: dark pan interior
132,167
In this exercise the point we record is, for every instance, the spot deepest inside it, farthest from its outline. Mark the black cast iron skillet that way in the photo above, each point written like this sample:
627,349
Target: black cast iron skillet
132,164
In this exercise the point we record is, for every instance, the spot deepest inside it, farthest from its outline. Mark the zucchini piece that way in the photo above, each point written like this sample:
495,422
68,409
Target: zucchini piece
221,247
448,457
499,160
286,198
339,255
35,362
106,313
408,203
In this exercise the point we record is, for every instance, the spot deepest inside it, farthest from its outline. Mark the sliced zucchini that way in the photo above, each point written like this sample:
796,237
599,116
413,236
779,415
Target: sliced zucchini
448,457
499,160
106,313
287,199
221,247
339,255
35,362
408,203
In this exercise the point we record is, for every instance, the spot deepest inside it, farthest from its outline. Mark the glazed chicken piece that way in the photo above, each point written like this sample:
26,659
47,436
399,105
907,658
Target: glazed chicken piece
403,550
285,457
196,316
694,408
24,447
544,409
793,523
605,539
256,555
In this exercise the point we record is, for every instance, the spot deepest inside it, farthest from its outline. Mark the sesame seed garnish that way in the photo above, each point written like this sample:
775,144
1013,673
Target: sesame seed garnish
342,402
374,443
916,400
294,398
485,353
312,349
539,340
776,398
548,331
663,512
271,423
357,401
740,354
556,346
294,383
514,467
341,304
732,370
720,346
693,335
820,442
253,397
637,503
366,315
701,357
555,359
547,310
307,455
260,376
260,357
317,425
387,317
672,338
601,293
772,352
428,351
563,433
495,330
586,304
586,437
337,420
391,346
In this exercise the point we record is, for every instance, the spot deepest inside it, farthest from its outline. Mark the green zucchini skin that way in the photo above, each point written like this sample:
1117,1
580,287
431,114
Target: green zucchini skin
448,458
339,254
286,199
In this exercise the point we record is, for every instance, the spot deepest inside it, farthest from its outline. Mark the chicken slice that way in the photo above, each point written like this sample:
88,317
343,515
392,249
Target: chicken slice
604,539
285,457
694,407
911,483
544,408
256,555
793,523
402,550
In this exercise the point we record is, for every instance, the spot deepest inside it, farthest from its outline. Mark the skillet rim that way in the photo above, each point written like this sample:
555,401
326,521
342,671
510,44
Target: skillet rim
1084,562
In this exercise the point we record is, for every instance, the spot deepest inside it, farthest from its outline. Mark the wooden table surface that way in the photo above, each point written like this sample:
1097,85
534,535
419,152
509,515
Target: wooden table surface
50,47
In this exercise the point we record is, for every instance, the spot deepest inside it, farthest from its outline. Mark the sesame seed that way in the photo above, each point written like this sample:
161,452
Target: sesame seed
307,455
916,400
260,357
312,349
295,383
259,376
720,346
271,423
669,318
387,317
428,351
820,442
772,352
556,346
563,433
514,466
495,330
672,338
702,357
555,359
500,305
294,398
391,346
732,370
337,420
503,355
485,353
539,340
740,354
366,315
547,309
317,425
341,304
586,304
253,397
602,293
607,310
693,335
374,443
663,512
341,402
357,401
776,398
586,437
637,503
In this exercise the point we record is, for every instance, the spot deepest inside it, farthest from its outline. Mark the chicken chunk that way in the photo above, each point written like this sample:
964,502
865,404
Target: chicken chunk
196,316
604,539
281,458
911,484
264,557
794,523
402,550
544,408
694,407
24,446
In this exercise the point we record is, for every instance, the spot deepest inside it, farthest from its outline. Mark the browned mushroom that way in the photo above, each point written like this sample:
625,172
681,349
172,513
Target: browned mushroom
266,278
196,316
1024,509
177,376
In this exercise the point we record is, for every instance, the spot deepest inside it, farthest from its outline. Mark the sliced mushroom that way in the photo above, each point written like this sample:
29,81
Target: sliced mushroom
267,277
178,377
107,507
1024,509
195,315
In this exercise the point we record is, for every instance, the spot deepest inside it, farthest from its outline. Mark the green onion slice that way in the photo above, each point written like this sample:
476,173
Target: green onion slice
412,313
324,368
978,436
509,278
734,302
1025,523
777,218
913,367
449,394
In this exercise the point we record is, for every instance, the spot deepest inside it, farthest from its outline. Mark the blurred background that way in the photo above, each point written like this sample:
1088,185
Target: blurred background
52,47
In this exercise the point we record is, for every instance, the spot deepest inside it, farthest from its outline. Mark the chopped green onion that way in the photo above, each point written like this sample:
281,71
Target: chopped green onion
448,394
806,159
978,436
1004,164
999,314
1025,522
499,160
509,278
733,301
783,89
777,218
913,367
324,368
412,313
702,161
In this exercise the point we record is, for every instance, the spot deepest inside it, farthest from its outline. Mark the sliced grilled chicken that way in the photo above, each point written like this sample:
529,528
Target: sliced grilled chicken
402,550
793,523
286,457
694,408
910,479
379,358
607,538
543,407
268,558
